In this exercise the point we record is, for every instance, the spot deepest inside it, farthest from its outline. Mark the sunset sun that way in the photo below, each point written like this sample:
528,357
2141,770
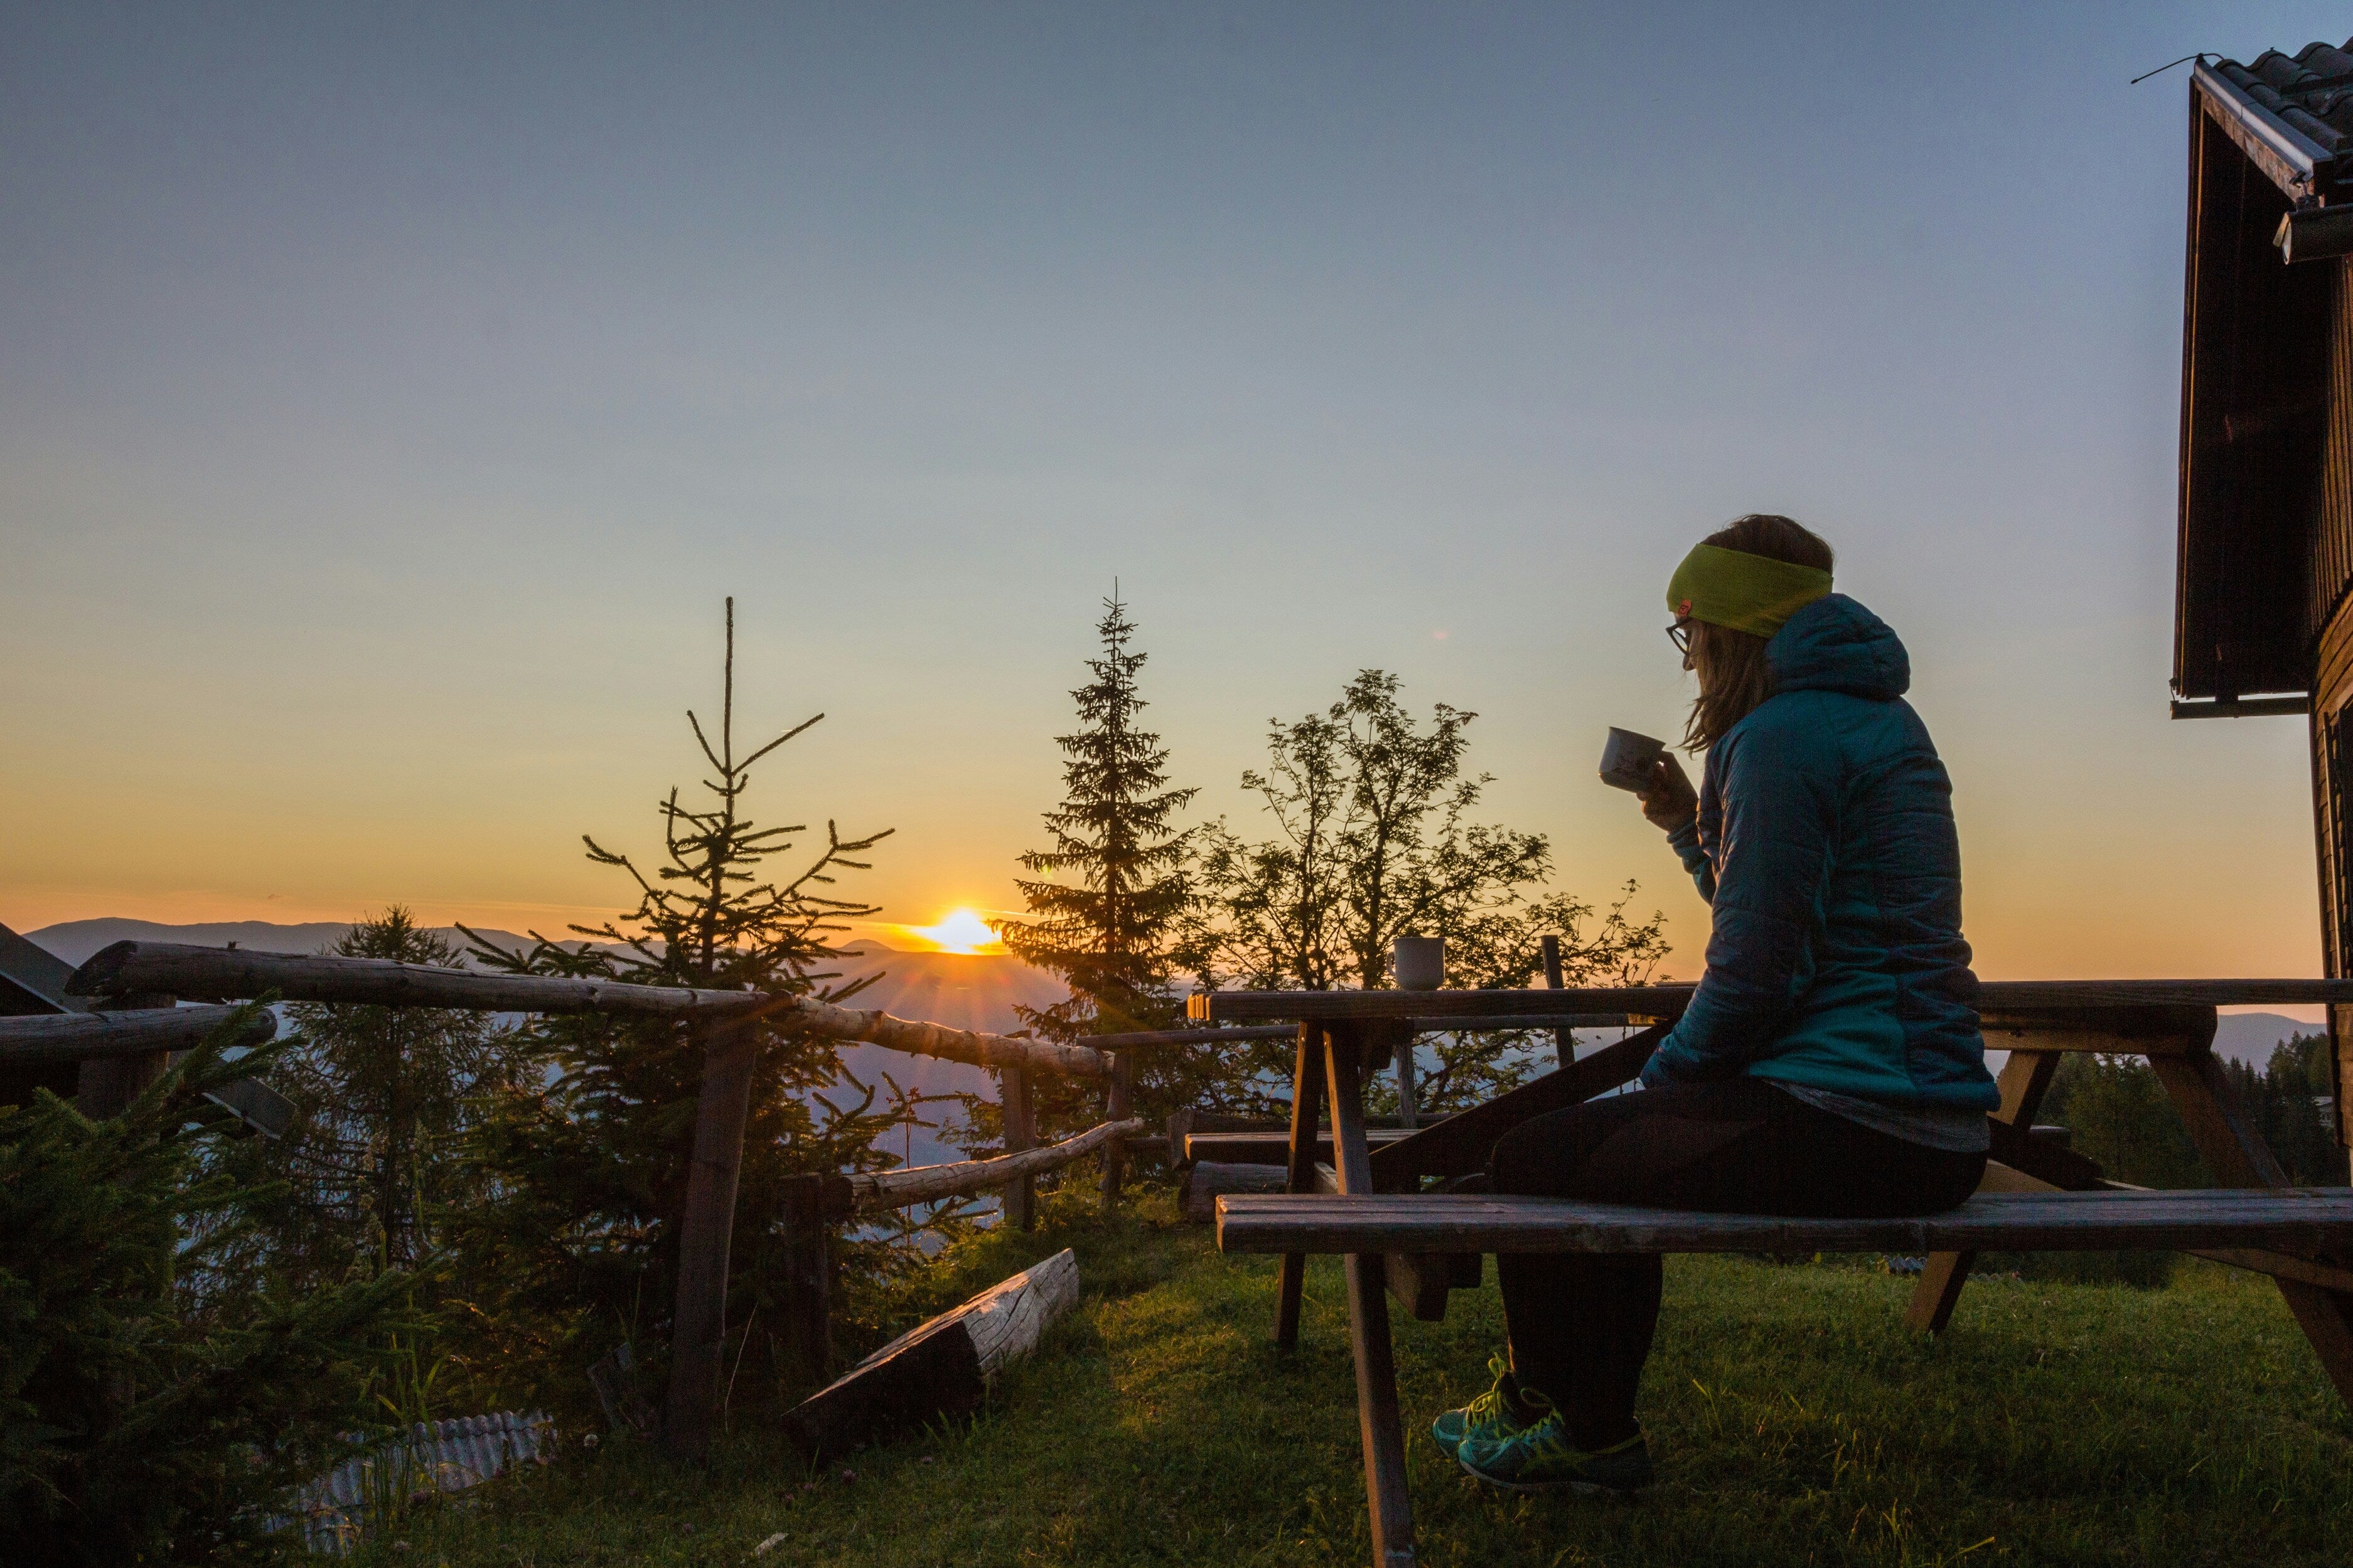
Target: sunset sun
961,931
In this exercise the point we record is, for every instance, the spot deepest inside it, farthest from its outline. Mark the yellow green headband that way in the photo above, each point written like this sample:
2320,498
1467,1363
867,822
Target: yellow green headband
1732,588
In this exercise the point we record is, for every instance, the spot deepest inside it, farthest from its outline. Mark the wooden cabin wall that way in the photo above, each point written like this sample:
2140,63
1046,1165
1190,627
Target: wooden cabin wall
2333,807
2256,405
2332,705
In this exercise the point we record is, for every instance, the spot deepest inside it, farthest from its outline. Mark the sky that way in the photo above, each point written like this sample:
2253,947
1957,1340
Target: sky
389,398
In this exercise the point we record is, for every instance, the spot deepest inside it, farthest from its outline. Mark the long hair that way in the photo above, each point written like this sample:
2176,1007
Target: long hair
1733,678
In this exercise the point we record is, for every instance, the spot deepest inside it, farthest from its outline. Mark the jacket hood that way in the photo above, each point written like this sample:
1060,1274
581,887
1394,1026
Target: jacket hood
1836,644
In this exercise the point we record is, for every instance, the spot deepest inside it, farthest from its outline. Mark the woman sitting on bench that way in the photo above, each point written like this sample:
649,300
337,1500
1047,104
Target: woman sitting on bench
1830,1063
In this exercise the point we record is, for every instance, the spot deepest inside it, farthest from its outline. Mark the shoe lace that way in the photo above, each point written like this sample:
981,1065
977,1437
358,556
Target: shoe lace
1491,1405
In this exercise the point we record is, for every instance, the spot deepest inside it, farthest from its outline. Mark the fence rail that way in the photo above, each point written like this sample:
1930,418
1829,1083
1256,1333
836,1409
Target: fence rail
213,973
921,1184
46,1037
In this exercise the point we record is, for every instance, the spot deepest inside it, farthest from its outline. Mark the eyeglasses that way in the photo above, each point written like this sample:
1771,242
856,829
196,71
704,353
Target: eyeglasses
1680,634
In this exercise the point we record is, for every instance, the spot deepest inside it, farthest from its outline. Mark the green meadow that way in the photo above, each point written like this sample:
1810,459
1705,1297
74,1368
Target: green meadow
1794,1419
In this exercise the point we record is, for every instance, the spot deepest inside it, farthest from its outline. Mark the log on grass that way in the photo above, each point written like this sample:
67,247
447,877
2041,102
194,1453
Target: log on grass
897,1189
1207,1178
938,1370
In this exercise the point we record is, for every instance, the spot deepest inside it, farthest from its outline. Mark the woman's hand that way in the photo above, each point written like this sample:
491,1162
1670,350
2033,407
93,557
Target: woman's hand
1669,801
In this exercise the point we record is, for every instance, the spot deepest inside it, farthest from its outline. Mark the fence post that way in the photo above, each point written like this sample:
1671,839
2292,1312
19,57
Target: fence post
105,1085
1121,1084
807,1222
1564,1041
1021,1111
706,1227
1408,1093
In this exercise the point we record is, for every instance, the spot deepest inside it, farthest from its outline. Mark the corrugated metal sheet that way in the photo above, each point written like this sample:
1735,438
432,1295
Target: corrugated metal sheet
333,1511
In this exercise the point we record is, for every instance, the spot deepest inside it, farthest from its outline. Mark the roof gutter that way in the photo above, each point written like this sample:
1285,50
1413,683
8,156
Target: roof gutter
2242,707
2291,161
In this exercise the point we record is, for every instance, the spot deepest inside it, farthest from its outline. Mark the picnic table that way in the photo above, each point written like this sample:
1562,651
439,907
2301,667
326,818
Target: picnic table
2038,1195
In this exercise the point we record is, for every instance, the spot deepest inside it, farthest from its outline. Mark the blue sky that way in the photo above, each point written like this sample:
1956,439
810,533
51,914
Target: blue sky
387,399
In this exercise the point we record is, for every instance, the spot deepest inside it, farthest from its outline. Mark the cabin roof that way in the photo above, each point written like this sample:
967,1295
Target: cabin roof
2304,97
2264,554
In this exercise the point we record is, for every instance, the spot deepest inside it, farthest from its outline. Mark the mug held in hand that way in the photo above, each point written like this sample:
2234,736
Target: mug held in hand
1628,760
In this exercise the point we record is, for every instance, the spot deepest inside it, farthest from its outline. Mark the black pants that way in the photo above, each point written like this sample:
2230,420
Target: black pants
1581,1323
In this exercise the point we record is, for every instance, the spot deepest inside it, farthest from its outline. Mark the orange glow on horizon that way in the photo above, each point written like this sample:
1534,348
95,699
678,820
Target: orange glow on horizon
961,931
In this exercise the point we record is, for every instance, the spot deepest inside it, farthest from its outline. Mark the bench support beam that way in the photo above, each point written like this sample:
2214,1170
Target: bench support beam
2235,1151
1381,1425
1306,1096
2025,1080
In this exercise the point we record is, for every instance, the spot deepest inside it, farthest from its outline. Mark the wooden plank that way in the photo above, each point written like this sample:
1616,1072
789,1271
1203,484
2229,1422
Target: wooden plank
1460,1144
2292,1220
921,1184
1207,1180
1306,1097
213,973
940,1369
706,1230
1422,1280
2025,1079
1999,999
1243,1035
1272,1148
1380,1426
85,1037
2281,1266
1435,1009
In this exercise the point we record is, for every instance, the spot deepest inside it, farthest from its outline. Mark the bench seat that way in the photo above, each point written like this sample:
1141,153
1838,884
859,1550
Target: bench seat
2293,1219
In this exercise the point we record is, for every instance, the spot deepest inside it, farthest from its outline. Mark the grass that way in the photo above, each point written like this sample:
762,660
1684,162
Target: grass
1794,1420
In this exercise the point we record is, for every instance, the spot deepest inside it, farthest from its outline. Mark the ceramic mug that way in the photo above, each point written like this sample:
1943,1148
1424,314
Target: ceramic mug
1418,963
1628,760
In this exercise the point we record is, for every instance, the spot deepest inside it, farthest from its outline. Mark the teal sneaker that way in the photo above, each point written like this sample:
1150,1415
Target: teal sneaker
1538,1457
1489,1415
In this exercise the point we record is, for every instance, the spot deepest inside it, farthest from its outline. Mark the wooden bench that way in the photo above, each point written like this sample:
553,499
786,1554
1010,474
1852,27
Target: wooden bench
2293,1219
1368,1204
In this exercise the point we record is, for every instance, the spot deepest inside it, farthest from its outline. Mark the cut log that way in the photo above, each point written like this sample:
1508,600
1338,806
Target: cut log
939,1369
921,1184
1207,1178
88,1037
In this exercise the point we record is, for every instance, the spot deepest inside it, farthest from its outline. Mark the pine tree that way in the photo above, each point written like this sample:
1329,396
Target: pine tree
1108,892
580,1249
156,1401
382,1096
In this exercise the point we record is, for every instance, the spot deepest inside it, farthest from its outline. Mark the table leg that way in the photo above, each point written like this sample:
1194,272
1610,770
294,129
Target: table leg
1306,1096
1379,1426
2235,1151
2025,1079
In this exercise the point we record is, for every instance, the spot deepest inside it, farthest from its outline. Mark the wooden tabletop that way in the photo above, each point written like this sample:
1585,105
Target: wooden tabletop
1511,1007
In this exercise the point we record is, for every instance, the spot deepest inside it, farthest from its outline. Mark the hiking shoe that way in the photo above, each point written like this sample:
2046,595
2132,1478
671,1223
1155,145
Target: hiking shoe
1489,1415
1539,1458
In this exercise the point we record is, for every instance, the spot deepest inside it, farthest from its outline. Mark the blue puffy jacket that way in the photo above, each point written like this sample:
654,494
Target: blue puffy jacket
1825,848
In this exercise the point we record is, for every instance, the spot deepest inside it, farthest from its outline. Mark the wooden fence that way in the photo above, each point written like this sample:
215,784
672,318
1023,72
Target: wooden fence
138,1022
125,1042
